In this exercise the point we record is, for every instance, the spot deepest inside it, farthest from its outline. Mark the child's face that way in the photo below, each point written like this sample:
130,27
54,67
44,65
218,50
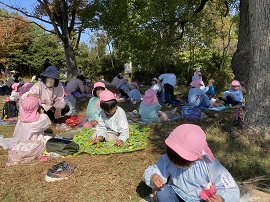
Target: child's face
236,88
111,112
154,82
98,91
132,86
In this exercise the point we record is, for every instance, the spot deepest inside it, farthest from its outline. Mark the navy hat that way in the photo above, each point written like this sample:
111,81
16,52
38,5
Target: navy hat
51,72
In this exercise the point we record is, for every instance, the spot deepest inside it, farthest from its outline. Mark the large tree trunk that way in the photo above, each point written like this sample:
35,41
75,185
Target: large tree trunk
257,117
240,60
70,62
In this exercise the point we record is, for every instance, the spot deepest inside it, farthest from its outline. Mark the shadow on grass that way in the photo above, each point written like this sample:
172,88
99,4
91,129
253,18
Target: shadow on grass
143,190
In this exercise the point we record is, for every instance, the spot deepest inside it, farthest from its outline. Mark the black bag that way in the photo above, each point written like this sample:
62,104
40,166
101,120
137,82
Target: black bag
63,147
10,109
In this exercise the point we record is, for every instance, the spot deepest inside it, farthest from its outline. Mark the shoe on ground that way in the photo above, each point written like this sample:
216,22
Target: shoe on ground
60,171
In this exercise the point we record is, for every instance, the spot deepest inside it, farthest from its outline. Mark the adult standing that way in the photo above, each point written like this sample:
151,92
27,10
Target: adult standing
168,82
51,93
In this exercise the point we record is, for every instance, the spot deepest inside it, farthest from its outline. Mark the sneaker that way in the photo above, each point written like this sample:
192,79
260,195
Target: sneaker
60,171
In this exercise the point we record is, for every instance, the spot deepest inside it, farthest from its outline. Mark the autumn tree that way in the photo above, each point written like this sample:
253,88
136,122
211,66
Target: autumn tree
14,34
69,19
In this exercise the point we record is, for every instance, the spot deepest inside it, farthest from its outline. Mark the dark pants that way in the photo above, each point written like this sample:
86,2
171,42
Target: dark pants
169,93
51,111
229,100
123,94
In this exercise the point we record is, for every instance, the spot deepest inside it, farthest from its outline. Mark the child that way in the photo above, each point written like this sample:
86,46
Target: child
32,123
15,94
196,96
191,169
149,107
234,95
76,85
123,87
134,94
156,85
93,107
71,102
112,122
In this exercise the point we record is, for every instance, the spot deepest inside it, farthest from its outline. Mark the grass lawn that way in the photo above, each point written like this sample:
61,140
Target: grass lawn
118,177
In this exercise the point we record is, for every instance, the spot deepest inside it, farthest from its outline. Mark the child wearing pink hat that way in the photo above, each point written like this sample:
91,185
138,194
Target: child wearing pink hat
149,107
33,121
190,169
234,95
93,108
197,96
112,122
134,94
15,94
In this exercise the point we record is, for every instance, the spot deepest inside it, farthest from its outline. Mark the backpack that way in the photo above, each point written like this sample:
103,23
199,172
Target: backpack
191,113
63,146
10,109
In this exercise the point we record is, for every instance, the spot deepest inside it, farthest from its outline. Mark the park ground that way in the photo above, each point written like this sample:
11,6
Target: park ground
118,177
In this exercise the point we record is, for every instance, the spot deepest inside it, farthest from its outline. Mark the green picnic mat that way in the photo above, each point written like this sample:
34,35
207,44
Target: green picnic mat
138,140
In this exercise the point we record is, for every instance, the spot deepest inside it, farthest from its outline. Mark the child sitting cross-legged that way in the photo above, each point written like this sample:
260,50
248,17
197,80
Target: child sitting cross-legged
112,122
189,171
134,94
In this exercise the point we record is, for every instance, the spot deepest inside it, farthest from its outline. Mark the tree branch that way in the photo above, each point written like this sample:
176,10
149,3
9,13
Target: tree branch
203,2
25,13
21,19
227,8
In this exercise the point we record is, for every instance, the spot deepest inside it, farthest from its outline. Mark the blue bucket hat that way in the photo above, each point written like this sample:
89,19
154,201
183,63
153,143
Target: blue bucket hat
51,72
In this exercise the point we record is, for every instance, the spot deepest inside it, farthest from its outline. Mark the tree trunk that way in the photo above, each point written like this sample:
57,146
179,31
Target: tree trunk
70,62
258,87
240,60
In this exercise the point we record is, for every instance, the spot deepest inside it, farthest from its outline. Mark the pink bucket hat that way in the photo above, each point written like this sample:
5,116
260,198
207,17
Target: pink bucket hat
236,83
196,82
29,109
106,95
15,87
99,84
189,141
150,97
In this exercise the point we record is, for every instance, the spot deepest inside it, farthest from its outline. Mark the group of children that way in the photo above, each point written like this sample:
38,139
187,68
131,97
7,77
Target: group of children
204,96
187,172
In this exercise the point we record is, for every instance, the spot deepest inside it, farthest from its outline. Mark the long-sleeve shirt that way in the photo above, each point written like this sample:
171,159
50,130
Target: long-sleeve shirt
31,131
168,78
117,123
157,87
49,97
92,111
74,84
238,95
190,182
135,95
194,95
149,113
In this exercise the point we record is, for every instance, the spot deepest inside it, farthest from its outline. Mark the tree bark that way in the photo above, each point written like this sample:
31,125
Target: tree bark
258,87
240,60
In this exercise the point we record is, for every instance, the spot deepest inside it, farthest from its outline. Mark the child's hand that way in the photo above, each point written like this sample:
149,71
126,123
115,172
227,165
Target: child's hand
98,139
215,198
119,143
231,95
157,181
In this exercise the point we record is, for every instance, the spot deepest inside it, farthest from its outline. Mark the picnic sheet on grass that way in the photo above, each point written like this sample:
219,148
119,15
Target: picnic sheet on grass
138,140
217,108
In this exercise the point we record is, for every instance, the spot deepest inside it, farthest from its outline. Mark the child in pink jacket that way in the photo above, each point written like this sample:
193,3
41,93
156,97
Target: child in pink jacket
33,122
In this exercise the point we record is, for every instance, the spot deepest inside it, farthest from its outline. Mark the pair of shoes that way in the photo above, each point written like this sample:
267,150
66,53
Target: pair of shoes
60,171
